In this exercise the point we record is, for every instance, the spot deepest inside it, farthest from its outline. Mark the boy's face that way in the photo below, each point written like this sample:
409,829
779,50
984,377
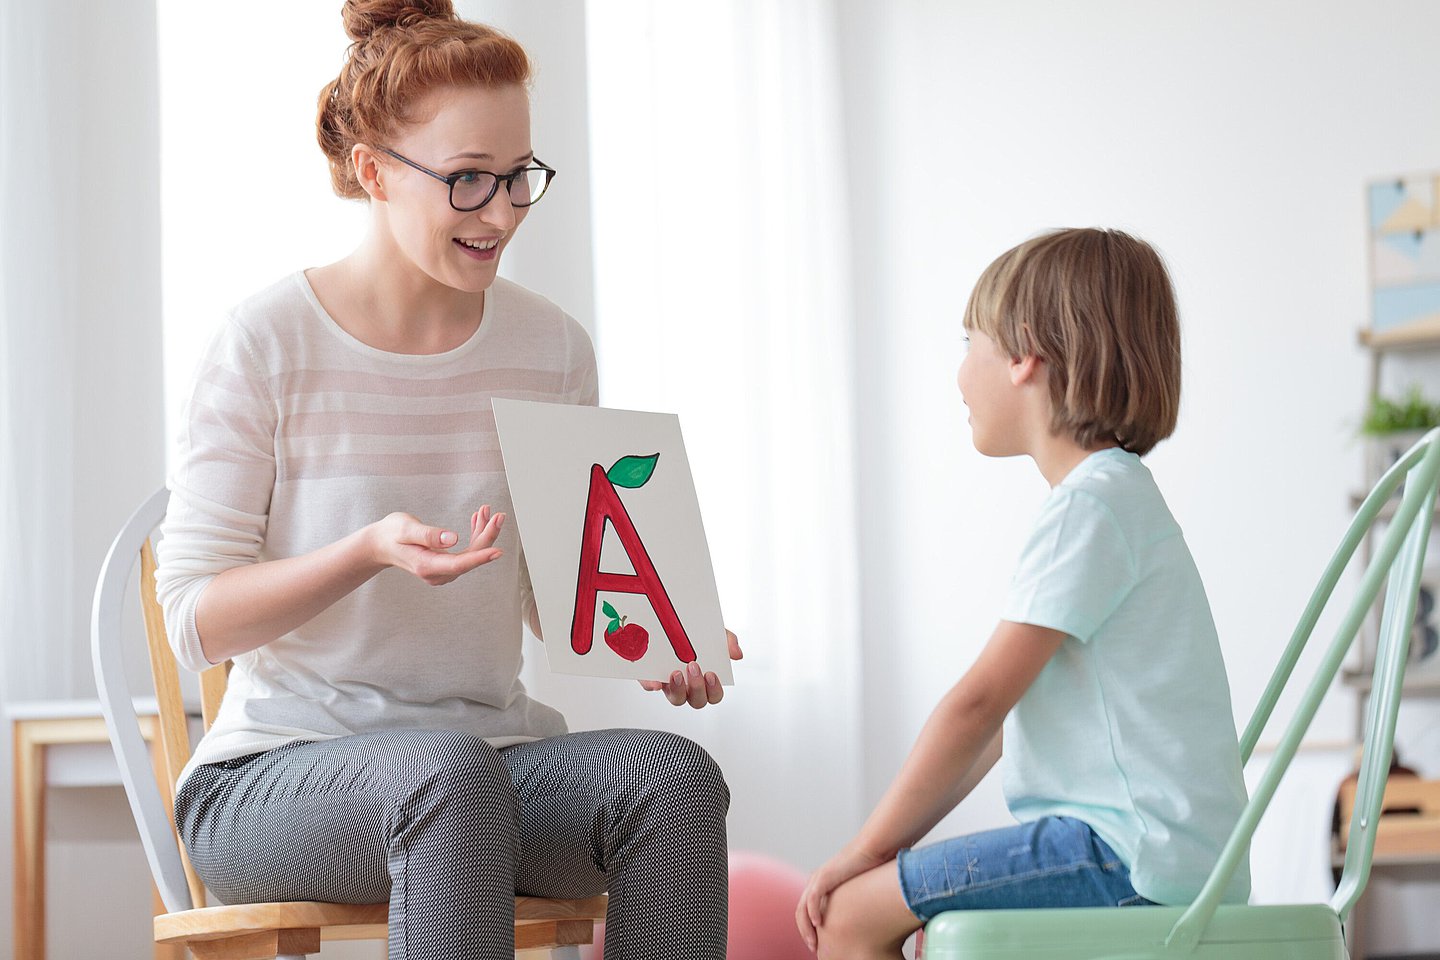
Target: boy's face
988,389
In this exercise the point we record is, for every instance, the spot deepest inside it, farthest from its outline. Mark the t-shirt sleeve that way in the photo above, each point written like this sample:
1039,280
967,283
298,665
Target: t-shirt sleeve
1075,570
220,488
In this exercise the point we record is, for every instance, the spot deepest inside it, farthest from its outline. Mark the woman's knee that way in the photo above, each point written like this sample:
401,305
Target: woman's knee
678,764
448,766
464,758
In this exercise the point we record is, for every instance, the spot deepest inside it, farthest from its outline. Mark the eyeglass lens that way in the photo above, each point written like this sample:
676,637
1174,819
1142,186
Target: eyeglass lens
474,189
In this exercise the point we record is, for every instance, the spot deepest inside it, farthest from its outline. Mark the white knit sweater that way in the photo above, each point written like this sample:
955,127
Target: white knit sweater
295,435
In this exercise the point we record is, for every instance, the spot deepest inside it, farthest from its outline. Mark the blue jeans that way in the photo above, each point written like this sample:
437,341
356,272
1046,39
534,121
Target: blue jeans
1050,862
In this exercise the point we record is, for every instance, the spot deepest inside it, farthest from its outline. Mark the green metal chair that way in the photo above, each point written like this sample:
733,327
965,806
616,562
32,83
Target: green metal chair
1206,929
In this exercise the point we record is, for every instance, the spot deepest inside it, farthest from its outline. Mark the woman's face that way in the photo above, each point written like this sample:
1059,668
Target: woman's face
468,128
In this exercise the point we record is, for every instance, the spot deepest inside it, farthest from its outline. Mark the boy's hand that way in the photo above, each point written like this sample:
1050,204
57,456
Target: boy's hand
849,863
690,686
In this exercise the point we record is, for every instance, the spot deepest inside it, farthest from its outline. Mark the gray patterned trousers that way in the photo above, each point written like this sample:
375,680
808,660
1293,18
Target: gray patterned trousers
448,830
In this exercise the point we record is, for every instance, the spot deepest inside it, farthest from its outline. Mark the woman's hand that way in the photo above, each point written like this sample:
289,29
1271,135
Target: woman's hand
400,540
849,863
692,687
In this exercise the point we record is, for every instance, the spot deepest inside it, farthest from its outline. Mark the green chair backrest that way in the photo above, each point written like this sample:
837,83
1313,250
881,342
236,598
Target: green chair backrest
1405,540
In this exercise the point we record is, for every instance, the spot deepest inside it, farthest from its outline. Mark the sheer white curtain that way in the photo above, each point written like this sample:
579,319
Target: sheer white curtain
79,320
79,364
721,261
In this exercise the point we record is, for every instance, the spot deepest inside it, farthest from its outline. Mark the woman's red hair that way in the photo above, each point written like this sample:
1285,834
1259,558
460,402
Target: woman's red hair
402,50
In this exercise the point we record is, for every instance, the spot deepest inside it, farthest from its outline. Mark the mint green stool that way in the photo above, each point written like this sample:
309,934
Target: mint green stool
1205,929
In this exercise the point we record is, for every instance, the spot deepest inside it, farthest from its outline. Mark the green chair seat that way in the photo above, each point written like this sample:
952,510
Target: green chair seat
1285,932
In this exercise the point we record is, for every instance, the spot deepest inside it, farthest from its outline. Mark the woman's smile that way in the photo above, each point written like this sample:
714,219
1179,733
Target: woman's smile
479,248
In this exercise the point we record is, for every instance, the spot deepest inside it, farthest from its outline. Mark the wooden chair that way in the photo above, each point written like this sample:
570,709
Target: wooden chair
1206,928
255,931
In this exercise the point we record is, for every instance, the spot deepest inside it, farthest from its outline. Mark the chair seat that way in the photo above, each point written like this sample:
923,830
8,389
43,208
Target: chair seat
347,921
1239,932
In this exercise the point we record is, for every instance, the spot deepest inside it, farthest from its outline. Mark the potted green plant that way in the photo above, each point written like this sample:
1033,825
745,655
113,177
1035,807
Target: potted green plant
1391,427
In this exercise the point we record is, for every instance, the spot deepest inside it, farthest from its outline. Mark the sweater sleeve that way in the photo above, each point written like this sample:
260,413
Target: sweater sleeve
582,380
220,488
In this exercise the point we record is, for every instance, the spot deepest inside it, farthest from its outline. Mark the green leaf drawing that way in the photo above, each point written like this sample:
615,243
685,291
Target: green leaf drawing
609,610
632,472
612,626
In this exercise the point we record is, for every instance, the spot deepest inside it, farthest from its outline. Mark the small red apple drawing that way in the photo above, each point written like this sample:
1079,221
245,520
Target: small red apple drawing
629,640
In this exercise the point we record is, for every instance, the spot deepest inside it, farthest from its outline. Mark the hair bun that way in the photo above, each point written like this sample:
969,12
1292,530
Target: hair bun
364,17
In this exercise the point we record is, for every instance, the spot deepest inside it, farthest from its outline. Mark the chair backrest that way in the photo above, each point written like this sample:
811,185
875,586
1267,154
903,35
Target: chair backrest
1399,558
151,794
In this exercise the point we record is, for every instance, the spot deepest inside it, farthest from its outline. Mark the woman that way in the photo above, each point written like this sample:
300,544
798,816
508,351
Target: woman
375,742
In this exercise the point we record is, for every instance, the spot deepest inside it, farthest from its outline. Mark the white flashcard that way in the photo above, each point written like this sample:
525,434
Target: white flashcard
610,524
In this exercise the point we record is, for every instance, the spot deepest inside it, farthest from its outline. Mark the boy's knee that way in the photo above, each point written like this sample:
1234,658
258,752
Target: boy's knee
846,930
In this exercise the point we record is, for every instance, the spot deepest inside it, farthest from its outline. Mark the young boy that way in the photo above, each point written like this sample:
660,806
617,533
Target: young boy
1122,763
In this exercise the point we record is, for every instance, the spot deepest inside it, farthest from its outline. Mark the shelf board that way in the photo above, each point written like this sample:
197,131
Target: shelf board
1412,336
1359,678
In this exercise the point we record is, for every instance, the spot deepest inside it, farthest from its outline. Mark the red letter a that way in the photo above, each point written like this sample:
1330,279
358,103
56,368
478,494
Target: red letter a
604,504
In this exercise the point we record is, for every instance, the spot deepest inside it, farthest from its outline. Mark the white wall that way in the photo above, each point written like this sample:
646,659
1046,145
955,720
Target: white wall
1235,136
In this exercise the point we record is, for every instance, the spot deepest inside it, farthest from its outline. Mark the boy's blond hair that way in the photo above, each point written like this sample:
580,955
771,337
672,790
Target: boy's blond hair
1098,308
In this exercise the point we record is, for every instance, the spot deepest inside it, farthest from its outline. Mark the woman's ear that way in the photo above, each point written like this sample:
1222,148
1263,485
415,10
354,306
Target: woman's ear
367,170
1026,369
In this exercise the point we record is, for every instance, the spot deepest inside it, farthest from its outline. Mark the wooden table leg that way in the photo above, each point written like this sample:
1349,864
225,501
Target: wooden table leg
29,845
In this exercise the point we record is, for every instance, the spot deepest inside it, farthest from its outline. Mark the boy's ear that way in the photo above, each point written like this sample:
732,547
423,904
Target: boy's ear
1026,369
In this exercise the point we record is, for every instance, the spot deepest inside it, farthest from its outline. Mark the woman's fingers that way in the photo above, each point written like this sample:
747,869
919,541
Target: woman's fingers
412,531
694,686
714,690
436,539
675,689
688,686
438,567
733,642
425,551
487,529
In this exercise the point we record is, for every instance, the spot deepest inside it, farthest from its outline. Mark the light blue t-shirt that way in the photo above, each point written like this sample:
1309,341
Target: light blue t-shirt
1128,727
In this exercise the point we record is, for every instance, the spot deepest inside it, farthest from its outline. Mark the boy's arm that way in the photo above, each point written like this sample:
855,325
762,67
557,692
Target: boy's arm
956,748
959,742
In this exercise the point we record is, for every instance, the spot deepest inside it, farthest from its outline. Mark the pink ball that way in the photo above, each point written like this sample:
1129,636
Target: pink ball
763,895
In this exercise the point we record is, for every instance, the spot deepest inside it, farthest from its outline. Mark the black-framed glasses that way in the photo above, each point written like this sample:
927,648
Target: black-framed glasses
472,189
